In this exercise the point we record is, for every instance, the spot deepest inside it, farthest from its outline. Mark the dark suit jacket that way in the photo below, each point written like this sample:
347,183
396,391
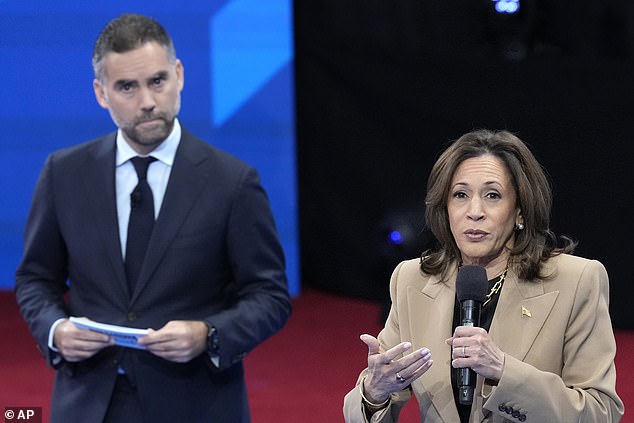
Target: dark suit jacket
214,256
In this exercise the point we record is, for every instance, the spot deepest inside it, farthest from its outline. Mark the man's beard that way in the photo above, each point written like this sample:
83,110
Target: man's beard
149,137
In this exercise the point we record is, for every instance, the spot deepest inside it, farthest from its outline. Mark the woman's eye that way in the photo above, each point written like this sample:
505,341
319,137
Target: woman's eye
493,196
460,194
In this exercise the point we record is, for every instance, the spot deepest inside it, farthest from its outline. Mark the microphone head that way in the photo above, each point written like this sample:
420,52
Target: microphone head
472,283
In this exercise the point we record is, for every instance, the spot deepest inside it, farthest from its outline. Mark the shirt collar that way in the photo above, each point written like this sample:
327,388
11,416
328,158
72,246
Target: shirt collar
165,152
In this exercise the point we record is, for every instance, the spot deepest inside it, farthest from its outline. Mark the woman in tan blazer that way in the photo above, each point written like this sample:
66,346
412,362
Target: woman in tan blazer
544,351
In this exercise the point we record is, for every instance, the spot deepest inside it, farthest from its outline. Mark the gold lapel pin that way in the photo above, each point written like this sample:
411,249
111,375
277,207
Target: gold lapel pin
526,312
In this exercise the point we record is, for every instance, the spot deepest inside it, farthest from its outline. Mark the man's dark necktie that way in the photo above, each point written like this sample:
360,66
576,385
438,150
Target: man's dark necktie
141,222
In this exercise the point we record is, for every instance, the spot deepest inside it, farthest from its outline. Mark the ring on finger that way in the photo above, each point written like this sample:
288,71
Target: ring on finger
399,378
464,351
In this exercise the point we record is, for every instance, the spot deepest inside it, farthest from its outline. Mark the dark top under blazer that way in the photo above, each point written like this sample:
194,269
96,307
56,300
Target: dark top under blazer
214,256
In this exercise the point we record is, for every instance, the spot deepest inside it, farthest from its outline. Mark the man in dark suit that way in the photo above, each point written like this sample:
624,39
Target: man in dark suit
210,285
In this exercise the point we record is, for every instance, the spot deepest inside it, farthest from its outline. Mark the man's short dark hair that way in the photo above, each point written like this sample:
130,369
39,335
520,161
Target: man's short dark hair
129,32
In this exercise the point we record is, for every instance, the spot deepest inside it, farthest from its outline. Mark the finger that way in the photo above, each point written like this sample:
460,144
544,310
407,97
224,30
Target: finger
91,343
411,362
154,337
166,341
418,371
395,351
79,349
172,352
157,348
464,331
145,340
415,358
73,337
76,333
374,347
461,356
167,349
419,362
92,336
459,351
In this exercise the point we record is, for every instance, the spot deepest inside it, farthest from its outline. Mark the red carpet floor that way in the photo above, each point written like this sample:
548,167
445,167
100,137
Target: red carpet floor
299,375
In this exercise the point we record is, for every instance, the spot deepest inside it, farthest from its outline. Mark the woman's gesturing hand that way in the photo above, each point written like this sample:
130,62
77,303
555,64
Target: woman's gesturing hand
386,373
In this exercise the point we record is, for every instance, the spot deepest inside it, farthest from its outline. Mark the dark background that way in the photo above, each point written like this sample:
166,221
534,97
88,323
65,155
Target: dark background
383,86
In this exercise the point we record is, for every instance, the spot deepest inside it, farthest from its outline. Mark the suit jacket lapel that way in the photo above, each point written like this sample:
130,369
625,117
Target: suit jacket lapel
100,178
431,314
186,181
520,315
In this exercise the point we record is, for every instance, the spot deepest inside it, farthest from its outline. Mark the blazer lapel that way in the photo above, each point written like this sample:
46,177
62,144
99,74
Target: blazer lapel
522,311
186,181
431,317
100,178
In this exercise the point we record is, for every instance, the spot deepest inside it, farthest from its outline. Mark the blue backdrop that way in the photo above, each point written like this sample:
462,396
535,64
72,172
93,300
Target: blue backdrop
238,59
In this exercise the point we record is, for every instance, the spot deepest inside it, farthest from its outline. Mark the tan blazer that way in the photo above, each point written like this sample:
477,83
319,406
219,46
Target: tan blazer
556,335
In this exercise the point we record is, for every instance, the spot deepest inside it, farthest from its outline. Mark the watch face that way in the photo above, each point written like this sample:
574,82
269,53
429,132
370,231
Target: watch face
212,339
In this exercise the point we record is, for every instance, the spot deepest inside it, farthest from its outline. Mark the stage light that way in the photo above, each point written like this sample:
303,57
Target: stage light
510,26
401,234
395,238
509,7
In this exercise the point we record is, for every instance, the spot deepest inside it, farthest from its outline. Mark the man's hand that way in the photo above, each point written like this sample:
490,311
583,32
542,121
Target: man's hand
75,344
178,341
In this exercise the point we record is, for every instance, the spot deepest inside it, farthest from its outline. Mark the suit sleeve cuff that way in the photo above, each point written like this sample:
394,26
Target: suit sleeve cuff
51,335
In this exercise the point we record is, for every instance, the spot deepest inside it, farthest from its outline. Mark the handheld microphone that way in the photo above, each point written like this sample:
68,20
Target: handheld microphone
471,290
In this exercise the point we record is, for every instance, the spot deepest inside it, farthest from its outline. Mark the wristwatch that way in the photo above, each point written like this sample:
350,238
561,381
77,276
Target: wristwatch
212,340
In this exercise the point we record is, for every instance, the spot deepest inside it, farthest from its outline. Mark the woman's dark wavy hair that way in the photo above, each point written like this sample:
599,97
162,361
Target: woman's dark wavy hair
534,244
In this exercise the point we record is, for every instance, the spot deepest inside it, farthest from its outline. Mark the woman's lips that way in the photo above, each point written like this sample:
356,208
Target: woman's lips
475,235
